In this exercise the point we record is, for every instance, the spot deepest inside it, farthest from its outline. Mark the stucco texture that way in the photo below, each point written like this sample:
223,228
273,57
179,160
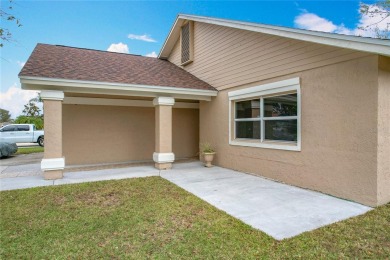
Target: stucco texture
339,133
384,130
53,129
113,134
163,125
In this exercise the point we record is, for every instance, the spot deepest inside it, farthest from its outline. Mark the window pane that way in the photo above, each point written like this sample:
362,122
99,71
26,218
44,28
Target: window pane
23,128
248,129
285,130
9,128
248,109
285,105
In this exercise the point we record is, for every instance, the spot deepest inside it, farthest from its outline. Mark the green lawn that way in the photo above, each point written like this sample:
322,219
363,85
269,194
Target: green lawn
152,218
26,150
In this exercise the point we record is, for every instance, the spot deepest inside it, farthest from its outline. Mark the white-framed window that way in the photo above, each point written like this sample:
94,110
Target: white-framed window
267,116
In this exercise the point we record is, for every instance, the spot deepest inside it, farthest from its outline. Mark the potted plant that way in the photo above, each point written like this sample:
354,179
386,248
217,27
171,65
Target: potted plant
208,153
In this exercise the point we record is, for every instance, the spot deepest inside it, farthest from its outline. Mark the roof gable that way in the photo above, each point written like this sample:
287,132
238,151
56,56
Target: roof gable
68,63
371,45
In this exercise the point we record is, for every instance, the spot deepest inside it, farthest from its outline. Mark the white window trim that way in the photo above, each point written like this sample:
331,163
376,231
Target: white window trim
260,91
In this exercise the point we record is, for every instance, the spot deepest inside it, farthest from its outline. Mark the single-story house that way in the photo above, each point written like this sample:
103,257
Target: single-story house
310,109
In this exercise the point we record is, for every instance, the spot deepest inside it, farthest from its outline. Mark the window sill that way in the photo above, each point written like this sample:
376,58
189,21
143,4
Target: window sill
279,145
186,63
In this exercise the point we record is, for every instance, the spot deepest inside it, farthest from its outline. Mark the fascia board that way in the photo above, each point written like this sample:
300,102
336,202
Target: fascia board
377,46
79,86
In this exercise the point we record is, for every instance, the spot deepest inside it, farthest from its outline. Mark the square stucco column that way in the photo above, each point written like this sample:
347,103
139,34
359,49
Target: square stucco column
163,156
53,162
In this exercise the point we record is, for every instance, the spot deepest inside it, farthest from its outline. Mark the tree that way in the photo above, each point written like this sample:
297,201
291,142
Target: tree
4,116
5,15
31,113
31,109
379,13
37,98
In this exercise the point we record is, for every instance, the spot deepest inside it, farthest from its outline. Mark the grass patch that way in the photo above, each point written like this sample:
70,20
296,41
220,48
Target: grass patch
27,150
152,218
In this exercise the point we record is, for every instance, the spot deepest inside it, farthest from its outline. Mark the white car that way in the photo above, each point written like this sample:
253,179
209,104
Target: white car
21,133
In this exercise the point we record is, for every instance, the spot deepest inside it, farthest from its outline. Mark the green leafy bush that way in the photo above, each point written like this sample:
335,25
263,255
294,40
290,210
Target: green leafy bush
206,148
37,121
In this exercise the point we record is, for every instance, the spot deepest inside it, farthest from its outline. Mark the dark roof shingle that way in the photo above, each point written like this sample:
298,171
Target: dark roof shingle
62,62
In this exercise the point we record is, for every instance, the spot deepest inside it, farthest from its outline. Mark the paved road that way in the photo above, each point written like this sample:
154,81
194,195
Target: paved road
21,165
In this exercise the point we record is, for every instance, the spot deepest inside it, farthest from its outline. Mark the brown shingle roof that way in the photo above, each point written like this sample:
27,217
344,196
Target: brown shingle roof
62,62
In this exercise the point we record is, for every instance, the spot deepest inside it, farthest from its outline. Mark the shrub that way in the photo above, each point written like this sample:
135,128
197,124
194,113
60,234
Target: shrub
37,121
7,149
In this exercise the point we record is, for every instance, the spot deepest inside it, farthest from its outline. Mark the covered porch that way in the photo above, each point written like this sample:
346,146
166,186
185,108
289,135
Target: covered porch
103,107
98,129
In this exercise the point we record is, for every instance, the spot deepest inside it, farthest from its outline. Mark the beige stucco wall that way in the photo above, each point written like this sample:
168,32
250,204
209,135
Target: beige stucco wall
185,132
106,134
345,109
384,130
339,126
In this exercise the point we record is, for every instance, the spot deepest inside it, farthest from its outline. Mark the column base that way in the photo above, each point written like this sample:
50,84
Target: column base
53,168
53,175
163,161
163,166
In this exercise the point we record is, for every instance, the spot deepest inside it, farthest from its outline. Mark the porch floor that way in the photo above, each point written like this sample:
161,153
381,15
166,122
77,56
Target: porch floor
280,210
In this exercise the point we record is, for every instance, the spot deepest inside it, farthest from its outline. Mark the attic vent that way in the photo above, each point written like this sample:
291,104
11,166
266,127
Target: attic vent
186,43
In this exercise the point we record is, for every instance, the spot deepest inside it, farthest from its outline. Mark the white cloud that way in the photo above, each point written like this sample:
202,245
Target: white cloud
20,63
311,21
118,47
153,54
145,37
15,98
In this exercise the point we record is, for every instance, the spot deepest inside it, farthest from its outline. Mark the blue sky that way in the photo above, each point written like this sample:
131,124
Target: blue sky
99,24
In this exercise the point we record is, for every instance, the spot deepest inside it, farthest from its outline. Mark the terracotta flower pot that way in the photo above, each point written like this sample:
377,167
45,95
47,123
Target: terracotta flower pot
208,158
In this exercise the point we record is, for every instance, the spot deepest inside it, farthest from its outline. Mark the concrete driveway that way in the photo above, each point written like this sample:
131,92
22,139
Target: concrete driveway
280,210
21,165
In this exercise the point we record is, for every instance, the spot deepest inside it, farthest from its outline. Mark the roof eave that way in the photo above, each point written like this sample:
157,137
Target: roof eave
171,39
108,88
370,45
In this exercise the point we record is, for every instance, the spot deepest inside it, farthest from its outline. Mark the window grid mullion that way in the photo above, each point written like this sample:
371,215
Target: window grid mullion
247,119
262,131
234,117
281,118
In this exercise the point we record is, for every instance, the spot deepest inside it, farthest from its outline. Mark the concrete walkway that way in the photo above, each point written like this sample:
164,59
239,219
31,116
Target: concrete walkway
77,177
280,210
